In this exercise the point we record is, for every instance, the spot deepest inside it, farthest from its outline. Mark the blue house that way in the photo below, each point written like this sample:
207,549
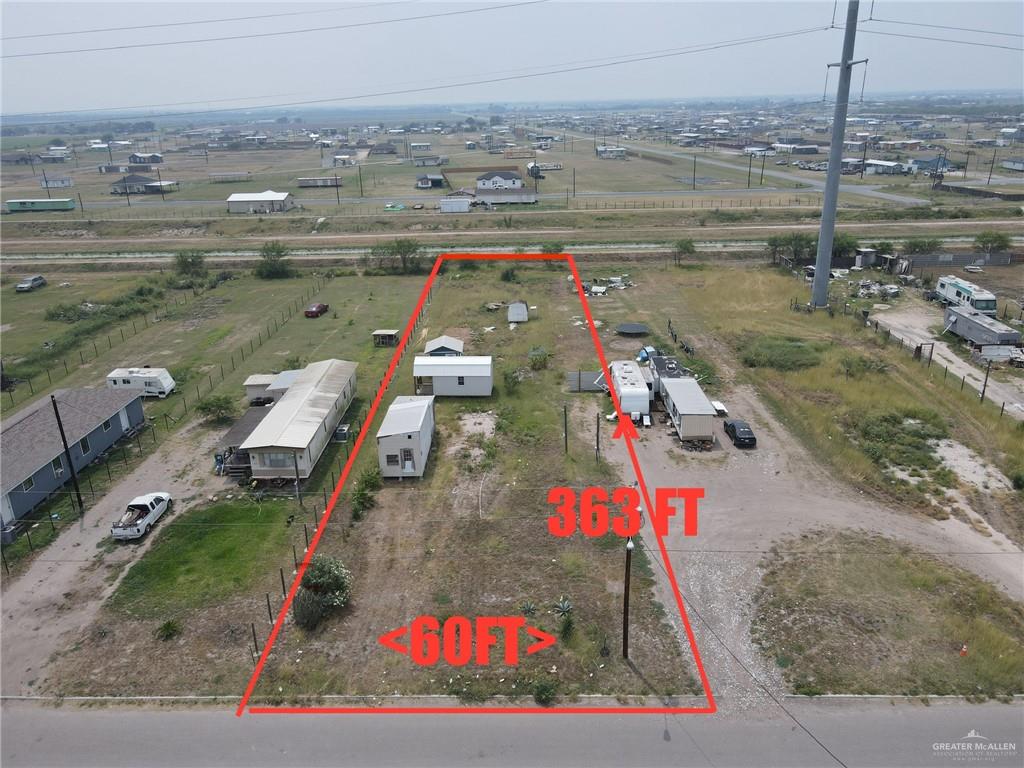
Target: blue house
32,462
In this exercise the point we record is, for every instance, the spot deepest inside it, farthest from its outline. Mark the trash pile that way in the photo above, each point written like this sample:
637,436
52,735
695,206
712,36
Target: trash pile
601,286
867,289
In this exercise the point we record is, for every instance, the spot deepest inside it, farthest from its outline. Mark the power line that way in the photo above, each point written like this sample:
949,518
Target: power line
940,39
485,81
260,35
952,29
200,21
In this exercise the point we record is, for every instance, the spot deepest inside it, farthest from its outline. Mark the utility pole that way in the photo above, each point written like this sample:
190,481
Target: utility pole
823,262
625,599
46,185
694,173
359,170
864,159
128,197
337,189
764,156
574,182
67,455
298,493
991,167
160,180
750,166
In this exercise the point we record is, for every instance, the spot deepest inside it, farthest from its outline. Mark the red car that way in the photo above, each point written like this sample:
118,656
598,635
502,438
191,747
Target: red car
315,310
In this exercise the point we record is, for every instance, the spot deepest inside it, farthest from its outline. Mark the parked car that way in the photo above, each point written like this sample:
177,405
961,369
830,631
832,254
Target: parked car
30,283
315,310
141,515
740,433
261,400
418,207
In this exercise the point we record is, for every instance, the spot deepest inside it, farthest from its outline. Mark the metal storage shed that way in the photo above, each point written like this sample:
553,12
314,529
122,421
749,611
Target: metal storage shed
691,412
444,346
518,312
465,376
405,435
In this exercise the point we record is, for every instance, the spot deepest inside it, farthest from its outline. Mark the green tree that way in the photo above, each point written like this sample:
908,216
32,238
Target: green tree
407,253
682,248
218,408
191,263
991,241
555,247
328,577
915,245
274,263
883,246
843,245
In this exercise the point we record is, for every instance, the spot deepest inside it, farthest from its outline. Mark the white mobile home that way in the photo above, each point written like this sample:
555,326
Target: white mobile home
691,412
405,435
466,376
151,382
260,202
292,437
630,387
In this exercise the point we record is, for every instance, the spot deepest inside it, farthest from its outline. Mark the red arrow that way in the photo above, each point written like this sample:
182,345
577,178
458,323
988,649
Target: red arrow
544,640
389,639
625,429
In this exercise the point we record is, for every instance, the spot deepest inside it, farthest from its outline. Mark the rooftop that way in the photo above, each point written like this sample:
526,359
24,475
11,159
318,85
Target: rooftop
257,197
444,341
688,397
406,414
467,365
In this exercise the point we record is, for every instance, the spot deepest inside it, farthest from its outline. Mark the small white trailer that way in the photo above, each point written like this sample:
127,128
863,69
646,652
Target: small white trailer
631,388
151,382
689,409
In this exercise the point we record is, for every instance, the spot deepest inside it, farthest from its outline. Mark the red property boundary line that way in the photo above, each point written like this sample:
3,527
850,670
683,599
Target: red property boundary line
711,706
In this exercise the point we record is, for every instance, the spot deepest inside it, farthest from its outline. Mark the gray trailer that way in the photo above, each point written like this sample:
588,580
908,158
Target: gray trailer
977,329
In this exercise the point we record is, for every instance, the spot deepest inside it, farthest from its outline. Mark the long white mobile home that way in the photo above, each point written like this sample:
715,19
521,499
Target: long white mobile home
465,376
291,438
691,412
630,387
405,435
151,382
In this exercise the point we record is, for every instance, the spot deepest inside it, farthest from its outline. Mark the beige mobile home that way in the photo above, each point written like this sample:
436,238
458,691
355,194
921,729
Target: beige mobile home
691,412
291,438
465,376
405,435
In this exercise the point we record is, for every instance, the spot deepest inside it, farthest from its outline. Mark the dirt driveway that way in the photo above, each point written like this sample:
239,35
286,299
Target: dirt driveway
913,323
62,590
752,498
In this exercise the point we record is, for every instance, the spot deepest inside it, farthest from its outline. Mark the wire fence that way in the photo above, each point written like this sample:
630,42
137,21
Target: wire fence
694,203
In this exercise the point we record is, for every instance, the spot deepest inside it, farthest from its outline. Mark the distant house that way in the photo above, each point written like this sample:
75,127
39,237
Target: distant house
430,160
319,181
149,158
260,202
34,464
606,152
291,438
499,180
444,346
419,146
405,436
141,185
429,181
1013,164
456,203
61,182
384,148
386,337
341,161
123,168
462,376
52,157
518,312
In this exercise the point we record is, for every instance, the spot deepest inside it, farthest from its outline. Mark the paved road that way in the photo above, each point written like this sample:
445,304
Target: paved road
858,734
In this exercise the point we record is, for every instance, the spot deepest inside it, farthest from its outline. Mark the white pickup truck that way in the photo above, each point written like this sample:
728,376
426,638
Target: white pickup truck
140,515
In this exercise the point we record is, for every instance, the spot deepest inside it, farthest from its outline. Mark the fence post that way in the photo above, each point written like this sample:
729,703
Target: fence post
284,589
270,613
254,641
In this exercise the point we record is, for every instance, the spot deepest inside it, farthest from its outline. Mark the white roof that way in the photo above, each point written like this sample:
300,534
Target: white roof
284,379
406,414
444,341
258,380
626,376
468,365
145,373
688,397
294,420
258,197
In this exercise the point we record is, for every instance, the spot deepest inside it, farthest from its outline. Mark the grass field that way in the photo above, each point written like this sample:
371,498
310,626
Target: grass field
852,612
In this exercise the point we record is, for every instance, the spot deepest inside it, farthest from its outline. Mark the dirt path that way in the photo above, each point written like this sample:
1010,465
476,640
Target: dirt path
62,590
913,323
752,499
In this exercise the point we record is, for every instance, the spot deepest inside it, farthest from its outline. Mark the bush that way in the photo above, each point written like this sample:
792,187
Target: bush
538,358
191,263
217,407
899,437
511,379
274,264
567,628
1018,480
362,501
169,630
370,479
329,579
509,275
308,609
544,692
783,353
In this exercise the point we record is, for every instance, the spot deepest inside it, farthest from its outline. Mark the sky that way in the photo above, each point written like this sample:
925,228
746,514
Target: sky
498,42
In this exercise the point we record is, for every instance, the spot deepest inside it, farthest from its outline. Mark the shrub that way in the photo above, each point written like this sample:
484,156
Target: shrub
191,263
854,366
308,609
362,500
567,628
511,378
328,578
370,479
509,275
783,353
538,358
544,692
217,407
900,437
169,630
1018,480
274,264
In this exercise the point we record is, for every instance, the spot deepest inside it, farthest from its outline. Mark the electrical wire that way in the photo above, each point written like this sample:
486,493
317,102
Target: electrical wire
940,39
701,48
952,29
200,21
260,35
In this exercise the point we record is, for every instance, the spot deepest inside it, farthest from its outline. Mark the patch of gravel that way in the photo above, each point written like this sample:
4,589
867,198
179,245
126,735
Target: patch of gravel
970,467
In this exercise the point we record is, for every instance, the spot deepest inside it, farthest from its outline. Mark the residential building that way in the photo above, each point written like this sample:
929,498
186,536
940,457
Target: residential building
320,181
405,436
444,346
607,152
60,182
1013,164
149,158
499,180
430,160
429,181
457,204
134,184
260,202
689,409
33,460
291,438
463,376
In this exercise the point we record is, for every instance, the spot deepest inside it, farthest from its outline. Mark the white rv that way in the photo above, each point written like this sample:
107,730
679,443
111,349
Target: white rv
631,388
151,382
952,290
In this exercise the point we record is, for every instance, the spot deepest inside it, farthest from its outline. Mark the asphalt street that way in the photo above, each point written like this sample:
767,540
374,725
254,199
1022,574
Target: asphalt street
875,733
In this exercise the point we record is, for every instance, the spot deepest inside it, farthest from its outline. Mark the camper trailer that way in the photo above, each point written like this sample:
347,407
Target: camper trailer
631,388
952,290
978,329
151,382
689,409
